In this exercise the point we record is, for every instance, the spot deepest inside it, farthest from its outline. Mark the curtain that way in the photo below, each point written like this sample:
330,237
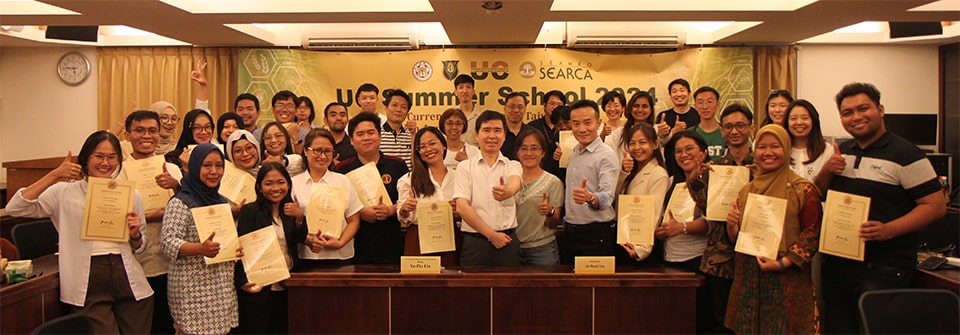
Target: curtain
144,75
775,68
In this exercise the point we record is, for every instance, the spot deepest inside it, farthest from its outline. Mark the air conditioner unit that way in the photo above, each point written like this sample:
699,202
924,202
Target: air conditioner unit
362,43
607,41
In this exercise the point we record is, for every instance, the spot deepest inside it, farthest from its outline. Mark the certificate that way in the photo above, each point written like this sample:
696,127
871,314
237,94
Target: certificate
144,173
680,204
567,143
725,184
237,185
326,208
366,179
217,219
105,209
262,258
761,226
840,228
636,219
435,221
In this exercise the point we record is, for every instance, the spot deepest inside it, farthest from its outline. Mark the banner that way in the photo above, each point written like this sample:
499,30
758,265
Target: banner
427,75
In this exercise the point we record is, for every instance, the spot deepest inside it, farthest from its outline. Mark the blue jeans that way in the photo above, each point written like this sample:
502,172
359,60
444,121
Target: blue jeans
547,254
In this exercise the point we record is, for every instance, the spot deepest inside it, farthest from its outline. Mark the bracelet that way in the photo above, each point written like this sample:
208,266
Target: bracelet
552,211
780,261
684,227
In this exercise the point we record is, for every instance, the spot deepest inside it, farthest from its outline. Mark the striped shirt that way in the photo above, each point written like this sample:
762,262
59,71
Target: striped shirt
397,143
894,173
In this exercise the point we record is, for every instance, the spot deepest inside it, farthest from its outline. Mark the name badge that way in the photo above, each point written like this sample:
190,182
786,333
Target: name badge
605,264
420,264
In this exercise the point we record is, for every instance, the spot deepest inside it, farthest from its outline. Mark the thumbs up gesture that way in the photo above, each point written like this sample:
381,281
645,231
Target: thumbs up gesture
267,158
382,210
627,164
293,209
606,130
836,164
663,129
581,195
409,205
165,180
544,208
679,126
500,191
68,170
669,227
411,125
209,248
462,154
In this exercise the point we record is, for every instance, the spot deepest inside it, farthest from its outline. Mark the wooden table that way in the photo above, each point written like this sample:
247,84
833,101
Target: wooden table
26,305
948,279
545,300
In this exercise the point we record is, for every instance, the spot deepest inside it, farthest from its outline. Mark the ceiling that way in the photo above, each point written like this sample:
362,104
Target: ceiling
288,23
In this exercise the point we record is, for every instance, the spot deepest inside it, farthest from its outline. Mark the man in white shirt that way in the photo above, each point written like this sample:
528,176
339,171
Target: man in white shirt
484,190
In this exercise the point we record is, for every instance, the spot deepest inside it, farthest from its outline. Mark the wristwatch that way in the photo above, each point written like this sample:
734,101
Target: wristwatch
553,210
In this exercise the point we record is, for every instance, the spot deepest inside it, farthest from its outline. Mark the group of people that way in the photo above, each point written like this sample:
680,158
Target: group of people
513,202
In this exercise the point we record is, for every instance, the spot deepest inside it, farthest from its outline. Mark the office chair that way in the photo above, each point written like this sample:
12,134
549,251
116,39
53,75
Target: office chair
910,311
9,250
74,323
35,238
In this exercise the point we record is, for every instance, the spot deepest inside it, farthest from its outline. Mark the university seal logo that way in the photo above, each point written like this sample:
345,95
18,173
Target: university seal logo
528,70
450,69
422,70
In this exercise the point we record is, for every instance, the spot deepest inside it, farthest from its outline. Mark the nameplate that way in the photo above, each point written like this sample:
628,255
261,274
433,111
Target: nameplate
605,264
420,264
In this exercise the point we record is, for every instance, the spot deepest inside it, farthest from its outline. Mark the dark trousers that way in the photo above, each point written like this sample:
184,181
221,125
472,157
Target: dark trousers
592,239
110,304
262,313
844,281
478,251
719,290
162,321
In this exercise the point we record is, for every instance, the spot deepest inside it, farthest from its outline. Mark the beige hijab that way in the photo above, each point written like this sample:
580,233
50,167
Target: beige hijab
165,145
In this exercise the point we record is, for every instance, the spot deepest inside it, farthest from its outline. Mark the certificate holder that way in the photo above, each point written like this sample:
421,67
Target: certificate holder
761,226
144,172
567,144
105,210
680,204
237,185
262,258
435,221
725,184
636,220
840,228
217,218
326,208
366,179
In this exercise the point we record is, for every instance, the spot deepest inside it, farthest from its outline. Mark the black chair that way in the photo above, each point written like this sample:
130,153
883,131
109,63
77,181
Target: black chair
35,238
74,323
910,311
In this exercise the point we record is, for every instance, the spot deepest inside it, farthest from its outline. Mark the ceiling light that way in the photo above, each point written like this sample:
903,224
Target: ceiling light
492,5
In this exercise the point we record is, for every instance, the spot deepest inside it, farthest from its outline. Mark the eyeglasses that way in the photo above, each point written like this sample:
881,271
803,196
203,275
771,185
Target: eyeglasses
139,131
250,149
515,106
326,152
199,128
112,158
169,118
690,149
428,144
284,106
739,125
303,108
534,148
277,136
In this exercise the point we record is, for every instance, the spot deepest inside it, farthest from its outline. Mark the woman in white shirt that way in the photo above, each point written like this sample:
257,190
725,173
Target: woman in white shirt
326,249
642,173
277,146
453,124
90,270
429,181
810,151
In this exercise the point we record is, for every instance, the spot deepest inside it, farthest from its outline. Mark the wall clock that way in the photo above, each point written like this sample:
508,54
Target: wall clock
73,68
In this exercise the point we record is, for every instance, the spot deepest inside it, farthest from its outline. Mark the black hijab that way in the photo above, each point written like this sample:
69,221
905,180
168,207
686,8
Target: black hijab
193,192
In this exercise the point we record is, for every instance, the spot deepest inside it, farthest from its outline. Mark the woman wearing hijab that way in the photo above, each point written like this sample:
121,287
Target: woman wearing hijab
243,151
202,297
89,269
776,296
168,125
